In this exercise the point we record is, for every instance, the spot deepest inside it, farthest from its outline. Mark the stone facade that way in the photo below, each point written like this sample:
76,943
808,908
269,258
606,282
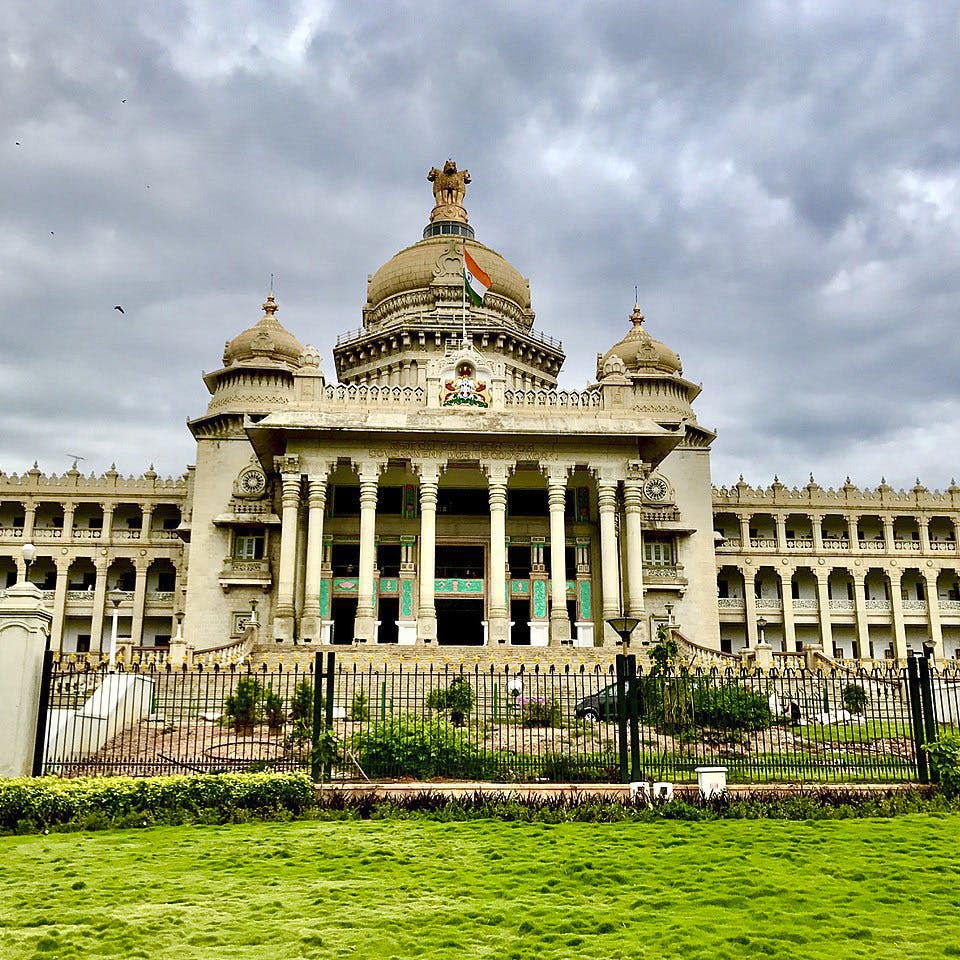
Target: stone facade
445,493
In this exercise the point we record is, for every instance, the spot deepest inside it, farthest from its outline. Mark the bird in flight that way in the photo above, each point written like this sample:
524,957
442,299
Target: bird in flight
17,142
118,307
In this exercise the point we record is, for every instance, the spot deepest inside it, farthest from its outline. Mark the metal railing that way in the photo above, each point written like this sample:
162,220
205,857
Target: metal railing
498,723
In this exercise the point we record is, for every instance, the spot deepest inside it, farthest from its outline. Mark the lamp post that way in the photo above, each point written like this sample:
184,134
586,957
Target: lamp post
179,635
761,623
623,627
669,608
116,598
28,551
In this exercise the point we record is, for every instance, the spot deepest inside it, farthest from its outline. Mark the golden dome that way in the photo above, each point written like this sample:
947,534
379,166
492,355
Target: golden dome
417,266
267,340
640,352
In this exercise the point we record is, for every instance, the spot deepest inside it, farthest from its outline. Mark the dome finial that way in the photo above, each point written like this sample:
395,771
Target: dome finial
270,305
637,317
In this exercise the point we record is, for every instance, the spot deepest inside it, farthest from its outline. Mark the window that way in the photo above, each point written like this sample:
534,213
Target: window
527,503
167,580
83,643
518,559
346,501
723,589
465,502
388,558
658,552
248,545
390,500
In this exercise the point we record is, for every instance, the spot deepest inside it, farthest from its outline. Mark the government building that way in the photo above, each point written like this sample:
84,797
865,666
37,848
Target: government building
443,492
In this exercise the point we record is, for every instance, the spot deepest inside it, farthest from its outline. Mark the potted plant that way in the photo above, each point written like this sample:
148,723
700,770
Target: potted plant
242,708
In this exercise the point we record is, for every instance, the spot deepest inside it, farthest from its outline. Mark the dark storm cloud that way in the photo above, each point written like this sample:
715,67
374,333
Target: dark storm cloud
780,181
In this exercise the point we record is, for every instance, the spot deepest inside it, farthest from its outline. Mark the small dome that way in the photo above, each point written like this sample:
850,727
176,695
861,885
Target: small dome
415,268
268,340
639,352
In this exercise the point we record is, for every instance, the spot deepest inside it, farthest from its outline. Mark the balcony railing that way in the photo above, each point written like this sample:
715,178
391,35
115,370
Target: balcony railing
842,605
835,543
805,603
11,533
908,545
730,603
800,543
47,533
87,533
920,605
763,543
769,603
877,604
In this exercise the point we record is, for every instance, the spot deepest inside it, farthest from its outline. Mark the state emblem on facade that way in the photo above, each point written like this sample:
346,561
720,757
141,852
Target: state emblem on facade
465,389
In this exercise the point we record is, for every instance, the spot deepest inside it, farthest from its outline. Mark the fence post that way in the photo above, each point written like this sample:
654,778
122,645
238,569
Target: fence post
926,702
621,673
328,710
916,720
633,713
315,771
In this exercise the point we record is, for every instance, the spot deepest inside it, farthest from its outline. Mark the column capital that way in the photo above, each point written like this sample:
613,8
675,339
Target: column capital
290,491
608,473
498,472
427,470
369,470
607,496
317,491
556,472
287,464
637,470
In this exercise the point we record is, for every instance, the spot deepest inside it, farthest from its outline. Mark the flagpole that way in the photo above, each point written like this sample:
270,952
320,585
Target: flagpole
463,256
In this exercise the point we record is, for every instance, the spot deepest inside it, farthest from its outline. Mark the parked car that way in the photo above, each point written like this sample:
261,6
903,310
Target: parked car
601,705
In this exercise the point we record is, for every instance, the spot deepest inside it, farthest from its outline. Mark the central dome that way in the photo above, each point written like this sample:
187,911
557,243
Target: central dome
437,260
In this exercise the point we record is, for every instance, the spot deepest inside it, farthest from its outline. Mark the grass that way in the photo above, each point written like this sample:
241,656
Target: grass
390,889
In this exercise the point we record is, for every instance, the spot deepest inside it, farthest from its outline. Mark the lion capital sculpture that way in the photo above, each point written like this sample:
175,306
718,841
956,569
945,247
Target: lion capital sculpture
449,184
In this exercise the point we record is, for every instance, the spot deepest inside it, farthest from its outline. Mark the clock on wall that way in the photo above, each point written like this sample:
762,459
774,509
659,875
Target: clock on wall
655,489
252,482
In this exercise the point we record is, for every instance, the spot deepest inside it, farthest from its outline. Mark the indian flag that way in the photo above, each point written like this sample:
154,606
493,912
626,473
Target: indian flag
476,282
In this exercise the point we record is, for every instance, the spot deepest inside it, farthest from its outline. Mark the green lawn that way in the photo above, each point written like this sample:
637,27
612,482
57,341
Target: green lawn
416,889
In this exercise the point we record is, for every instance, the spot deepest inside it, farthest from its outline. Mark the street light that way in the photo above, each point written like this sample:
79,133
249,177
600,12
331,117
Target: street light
117,596
761,623
28,551
623,627
669,608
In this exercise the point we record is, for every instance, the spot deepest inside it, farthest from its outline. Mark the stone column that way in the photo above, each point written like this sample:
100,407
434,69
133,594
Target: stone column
823,602
68,511
60,600
633,509
924,524
888,533
816,526
310,625
106,531
29,516
786,601
744,532
24,628
557,498
498,620
139,601
896,609
933,612
146,517
427,612
853,533
364,627
284,613
99,604
781,524
609,559
750,605
860,603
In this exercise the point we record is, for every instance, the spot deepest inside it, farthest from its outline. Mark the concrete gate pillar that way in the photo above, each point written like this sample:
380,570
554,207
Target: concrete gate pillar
24,632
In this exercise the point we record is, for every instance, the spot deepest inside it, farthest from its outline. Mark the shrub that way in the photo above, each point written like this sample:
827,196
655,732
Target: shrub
301,711
242,708
457,699
539,712
730,706
413,746
944,753
854,698
359,708
588,768
96,802
273,709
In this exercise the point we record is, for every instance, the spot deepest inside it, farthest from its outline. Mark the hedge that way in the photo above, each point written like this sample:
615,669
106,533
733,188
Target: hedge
29,805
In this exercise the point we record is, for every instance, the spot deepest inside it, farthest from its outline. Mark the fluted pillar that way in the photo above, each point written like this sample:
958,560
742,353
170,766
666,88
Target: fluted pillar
933,612
60,600
68,511
744,532
559,621
896,609
781,524
888,535
633,510
860,605
427,612
786,602
106,530
609,558
99,603
310,621
364,627
823,603
284,612
498,620
139,603
29,516
146,518
816,527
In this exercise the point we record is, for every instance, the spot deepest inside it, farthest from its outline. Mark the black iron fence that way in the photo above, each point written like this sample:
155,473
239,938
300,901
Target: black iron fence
497,724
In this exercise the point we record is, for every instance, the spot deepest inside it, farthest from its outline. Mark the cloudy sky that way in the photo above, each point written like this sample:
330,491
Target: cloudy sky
781,180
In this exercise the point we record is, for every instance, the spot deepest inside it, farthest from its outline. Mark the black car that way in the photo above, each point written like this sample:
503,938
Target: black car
601,705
